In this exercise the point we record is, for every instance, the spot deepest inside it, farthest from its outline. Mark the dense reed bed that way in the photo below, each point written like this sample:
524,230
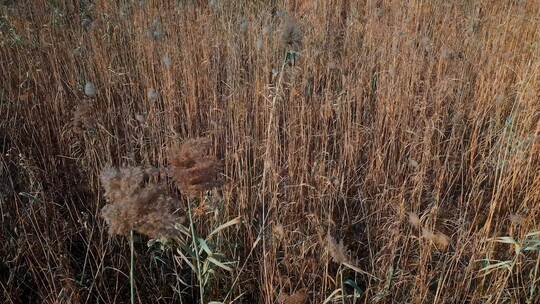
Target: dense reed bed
375,151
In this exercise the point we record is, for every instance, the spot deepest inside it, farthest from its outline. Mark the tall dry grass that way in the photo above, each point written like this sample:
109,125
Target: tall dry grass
394,112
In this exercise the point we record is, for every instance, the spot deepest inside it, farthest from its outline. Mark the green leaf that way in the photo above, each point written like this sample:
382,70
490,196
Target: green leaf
219,264
183,229
204,246
505,240
499,265
234,221
358,291
532,245
151,243
292,57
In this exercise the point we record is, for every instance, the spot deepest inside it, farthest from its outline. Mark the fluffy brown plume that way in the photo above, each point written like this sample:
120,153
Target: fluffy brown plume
194,169
414,220
291,35
134,205
337,251
299,297
83,117
440,239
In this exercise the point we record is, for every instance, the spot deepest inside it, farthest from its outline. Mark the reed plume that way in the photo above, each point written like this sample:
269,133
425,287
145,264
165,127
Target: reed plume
291,35
83,117
136,205
337,251
299,297
440,239
194,169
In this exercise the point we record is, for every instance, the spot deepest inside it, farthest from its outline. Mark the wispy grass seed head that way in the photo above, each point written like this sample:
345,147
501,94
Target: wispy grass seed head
136,205
194,169
291,35
84,117
152,95
167,61
337,250
90,89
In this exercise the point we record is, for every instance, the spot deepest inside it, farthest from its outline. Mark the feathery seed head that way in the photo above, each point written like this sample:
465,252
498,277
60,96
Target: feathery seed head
244,26
83,117
90,89
134,205
337,251
414,220
167,61
156,30
194,169
291,35
152,95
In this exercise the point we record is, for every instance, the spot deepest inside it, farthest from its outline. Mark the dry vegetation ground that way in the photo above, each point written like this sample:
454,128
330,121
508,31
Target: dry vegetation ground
387,160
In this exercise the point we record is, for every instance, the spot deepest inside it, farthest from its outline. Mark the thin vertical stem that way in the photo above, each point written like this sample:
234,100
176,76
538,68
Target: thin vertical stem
196,249
265,170
131,272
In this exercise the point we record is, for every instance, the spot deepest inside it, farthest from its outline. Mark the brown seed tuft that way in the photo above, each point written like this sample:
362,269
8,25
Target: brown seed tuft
299,297
194,169
414,220
428,234
134,205
279,231
291,35
442,240
336,250
201,210
83,117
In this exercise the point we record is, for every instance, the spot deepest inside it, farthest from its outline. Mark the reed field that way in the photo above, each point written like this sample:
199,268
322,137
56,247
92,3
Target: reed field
277,151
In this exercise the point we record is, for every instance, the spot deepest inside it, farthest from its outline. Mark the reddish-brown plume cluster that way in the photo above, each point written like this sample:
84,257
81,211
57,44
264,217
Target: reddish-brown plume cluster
83,117
299,297
136,205
194,168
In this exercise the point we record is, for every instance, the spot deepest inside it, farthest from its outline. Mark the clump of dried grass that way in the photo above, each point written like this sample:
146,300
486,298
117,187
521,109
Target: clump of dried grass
194,169
136,205
402,96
